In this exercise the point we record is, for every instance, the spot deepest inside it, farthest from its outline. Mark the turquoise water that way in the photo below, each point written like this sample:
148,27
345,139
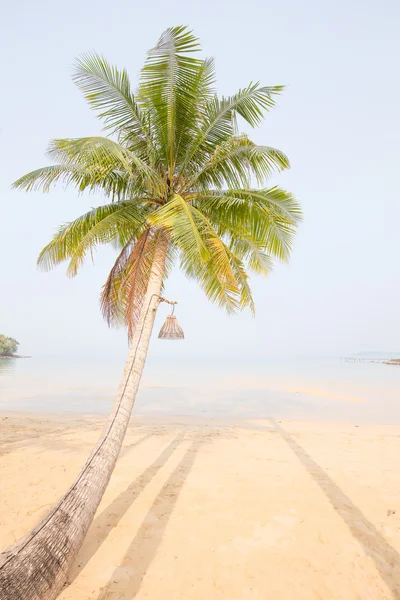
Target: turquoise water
316,389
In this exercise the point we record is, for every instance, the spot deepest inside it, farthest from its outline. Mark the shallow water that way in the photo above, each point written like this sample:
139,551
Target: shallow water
311,389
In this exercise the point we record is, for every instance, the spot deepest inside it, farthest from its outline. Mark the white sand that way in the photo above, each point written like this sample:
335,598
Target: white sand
201,510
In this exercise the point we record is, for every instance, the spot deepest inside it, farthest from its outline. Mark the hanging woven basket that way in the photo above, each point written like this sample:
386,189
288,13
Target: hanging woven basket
171,330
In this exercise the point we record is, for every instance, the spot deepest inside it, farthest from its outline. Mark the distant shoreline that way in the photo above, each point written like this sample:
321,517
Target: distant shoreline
14,356
382,361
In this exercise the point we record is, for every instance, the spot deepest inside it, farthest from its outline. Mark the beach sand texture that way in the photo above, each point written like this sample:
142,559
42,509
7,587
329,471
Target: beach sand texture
208,509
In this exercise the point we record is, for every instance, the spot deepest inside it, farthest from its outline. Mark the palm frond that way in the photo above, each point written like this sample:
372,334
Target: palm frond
138,276
198,90
268,217
236,161
252,253
104,156
110,304
43,178
125,289
184,225
99,226
210,282
170,81
108,92
242,278
219,122
93,178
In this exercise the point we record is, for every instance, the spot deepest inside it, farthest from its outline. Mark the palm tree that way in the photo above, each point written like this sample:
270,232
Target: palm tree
184,185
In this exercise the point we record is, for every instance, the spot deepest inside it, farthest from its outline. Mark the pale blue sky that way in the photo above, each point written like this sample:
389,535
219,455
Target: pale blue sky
338,121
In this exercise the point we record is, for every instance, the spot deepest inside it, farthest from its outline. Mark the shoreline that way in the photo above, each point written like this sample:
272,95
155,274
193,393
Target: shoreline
13,356
150,419
155,417
268,501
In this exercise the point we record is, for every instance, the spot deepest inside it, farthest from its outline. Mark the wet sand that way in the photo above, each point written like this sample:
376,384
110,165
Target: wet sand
205,508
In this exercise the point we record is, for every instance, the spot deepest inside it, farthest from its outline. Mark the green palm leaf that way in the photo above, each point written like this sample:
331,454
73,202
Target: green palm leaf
219,123
108,91
183,223
99,226
236,161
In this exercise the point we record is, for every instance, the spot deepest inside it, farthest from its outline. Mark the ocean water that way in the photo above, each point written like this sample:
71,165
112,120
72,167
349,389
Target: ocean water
307,389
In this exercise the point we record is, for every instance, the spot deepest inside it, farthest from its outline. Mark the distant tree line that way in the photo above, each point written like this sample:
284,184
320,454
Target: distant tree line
8,346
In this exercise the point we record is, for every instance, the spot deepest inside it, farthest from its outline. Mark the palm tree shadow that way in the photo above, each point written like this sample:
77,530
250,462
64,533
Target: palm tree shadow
113,513
126,449
385,557
127,578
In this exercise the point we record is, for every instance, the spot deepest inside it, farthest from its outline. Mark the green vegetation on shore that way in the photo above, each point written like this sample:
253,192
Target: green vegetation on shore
8,346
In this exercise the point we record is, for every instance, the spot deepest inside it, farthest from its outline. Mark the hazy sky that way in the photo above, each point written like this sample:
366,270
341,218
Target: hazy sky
338,121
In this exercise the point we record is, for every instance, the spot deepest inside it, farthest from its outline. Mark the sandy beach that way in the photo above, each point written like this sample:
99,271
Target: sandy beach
207,509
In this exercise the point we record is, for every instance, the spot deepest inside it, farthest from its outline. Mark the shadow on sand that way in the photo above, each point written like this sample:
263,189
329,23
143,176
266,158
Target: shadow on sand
109,518
126,579
126,449
385,557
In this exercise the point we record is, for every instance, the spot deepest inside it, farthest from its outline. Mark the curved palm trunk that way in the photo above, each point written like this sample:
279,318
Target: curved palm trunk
35,568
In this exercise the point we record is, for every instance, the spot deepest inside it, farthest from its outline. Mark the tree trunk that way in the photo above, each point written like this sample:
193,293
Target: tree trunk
36,567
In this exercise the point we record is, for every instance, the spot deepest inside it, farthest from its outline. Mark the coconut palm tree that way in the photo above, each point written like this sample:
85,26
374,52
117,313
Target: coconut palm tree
184,186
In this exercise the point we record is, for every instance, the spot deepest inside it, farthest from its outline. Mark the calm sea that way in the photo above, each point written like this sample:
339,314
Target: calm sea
316,389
